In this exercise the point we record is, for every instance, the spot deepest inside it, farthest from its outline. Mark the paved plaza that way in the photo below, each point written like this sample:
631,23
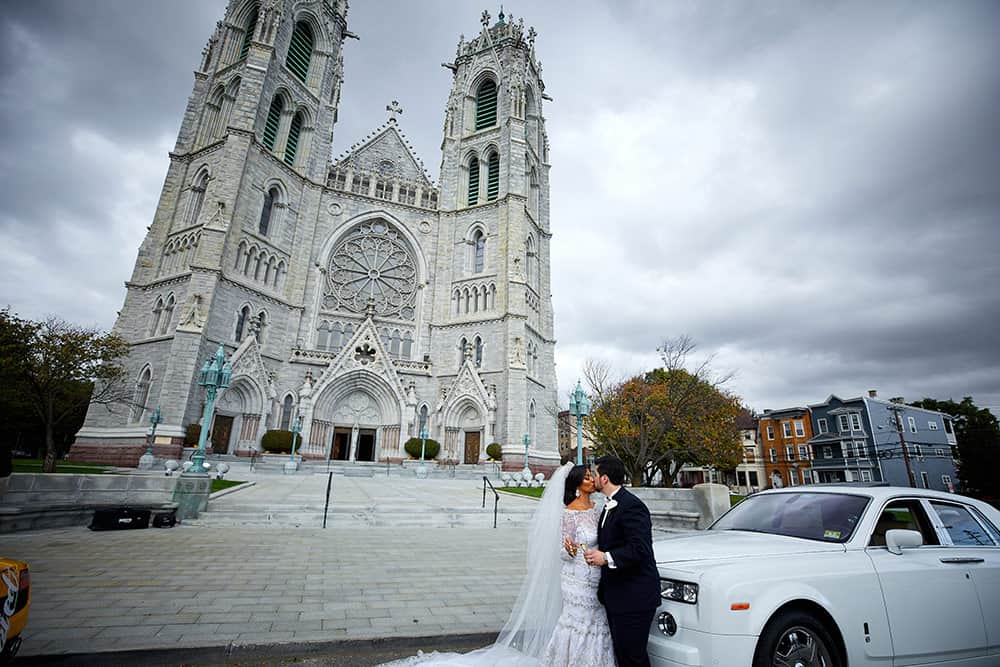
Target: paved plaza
213,583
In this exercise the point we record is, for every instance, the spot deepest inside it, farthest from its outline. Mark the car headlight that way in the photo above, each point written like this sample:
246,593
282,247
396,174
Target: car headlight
679,591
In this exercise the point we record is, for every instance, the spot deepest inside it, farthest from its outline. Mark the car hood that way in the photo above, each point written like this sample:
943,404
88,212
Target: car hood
713,545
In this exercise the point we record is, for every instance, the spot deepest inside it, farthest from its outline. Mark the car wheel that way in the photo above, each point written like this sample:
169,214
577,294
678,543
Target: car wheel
796,639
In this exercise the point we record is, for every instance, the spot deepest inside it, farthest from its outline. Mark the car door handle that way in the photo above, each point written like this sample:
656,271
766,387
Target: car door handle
961,560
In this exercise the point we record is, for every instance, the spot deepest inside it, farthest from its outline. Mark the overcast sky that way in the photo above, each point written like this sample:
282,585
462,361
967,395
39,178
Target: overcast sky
810,190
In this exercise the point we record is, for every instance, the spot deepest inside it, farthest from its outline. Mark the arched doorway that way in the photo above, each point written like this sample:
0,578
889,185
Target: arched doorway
236,423
355,418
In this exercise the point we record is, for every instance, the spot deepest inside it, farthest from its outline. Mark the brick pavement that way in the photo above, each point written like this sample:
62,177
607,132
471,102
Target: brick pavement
218,583
192,586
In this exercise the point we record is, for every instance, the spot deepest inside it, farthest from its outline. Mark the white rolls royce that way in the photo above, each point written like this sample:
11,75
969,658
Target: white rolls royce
834,576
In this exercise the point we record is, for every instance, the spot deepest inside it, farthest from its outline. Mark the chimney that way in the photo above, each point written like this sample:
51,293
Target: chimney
872,393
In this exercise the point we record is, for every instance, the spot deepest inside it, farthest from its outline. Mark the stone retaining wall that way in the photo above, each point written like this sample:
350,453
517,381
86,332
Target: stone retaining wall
124,455
40,500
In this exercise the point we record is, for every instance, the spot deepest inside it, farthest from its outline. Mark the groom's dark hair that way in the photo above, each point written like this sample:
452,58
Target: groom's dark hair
574,478
613,467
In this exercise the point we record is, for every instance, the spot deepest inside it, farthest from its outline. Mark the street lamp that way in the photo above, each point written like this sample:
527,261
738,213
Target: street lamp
579,407
527,471
146,460
292,466
423,447
214,375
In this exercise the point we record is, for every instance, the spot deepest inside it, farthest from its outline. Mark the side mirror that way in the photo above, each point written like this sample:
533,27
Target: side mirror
897,539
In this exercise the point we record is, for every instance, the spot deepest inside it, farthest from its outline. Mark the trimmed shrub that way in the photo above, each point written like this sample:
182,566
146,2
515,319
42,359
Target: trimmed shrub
277,442
412,448
191,434
494,451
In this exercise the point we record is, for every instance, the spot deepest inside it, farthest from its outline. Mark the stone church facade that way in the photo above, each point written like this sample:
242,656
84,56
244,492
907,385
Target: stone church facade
356,293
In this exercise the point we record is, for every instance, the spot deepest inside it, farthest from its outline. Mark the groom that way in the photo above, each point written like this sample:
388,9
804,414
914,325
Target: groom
630,583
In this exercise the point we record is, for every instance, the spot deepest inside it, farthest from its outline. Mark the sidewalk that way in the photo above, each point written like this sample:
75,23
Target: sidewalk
202,586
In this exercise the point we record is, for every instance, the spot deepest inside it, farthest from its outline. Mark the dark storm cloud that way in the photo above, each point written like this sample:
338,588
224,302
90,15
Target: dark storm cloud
810,191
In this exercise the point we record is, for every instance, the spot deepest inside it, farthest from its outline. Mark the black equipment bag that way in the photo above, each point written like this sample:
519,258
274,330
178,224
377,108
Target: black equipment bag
119,519
165,520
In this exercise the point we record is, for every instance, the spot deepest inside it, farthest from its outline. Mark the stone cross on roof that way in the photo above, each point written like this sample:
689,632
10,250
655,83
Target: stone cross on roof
394,110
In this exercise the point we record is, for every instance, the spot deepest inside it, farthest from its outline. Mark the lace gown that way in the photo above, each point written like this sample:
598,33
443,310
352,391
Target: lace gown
581,637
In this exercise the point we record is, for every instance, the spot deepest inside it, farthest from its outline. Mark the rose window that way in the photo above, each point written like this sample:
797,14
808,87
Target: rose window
372,264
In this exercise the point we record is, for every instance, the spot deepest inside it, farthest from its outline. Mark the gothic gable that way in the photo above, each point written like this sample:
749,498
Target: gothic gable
246,361
387,152
467,384
363,352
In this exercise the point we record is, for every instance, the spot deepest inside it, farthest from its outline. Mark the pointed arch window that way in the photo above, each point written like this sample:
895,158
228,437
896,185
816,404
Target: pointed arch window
248,34
423,417
407,351
261,324
154,323
168,314
273,120
197,198
286,412
493,177
473,181
141,396
266,210
241,322
486,104
323,338
462,344
479,352
479,241
531,423
292,145
300,51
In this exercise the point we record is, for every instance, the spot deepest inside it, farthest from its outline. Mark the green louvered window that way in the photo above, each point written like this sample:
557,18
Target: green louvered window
292,145
493,178
486,105
273,119
300,51
474,182
248,34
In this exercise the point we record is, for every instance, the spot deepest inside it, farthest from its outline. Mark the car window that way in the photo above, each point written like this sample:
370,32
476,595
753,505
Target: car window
828,517
903,515
991,529
962,527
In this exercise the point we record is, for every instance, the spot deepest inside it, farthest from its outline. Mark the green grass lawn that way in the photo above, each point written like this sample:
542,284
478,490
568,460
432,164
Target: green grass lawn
219,484
733,499
35,465
531,492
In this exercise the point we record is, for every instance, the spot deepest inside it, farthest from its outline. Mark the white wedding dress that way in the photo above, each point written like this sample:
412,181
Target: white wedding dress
557,620
581,637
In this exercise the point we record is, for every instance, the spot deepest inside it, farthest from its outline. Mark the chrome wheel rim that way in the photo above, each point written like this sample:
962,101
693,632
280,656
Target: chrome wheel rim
800,647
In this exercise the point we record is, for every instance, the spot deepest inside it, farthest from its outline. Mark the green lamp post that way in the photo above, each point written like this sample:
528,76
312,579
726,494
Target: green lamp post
214,375
579,407
146,460
292,465
527,471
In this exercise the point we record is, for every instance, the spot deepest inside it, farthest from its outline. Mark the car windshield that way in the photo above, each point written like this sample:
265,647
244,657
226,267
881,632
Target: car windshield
826,517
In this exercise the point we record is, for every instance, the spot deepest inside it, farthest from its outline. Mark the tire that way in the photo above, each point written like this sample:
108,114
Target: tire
796,638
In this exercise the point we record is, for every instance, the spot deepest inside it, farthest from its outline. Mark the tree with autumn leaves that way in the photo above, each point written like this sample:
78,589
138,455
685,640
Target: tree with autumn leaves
666,418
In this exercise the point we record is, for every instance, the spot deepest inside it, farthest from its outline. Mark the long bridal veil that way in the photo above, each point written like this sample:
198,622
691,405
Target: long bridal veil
522,641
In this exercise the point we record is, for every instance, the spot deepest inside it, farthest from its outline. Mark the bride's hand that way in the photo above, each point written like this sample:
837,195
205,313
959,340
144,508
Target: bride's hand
569,547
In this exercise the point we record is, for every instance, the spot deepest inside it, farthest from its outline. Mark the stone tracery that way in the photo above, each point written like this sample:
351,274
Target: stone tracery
373,263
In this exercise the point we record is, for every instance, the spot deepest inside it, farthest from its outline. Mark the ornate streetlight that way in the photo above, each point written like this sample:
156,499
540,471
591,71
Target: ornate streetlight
423,447
146,460
527,471
214,375
579,407
292,465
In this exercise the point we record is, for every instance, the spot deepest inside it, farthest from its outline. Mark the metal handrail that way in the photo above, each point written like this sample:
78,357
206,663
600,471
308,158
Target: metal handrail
496,498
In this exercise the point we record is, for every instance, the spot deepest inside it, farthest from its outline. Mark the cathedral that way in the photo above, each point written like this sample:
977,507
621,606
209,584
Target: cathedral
356,296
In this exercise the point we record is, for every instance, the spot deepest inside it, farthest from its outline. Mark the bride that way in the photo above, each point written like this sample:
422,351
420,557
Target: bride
557,620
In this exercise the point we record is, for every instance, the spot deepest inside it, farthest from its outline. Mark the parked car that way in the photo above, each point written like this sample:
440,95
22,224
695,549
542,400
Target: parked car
15,598
834,576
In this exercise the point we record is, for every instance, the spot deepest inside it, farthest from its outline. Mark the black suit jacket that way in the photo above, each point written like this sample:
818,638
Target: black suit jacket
634,583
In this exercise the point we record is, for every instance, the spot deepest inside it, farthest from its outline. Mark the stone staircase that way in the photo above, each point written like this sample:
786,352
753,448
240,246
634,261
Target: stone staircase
365,516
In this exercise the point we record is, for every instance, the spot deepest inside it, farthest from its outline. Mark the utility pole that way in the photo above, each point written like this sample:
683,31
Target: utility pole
896,409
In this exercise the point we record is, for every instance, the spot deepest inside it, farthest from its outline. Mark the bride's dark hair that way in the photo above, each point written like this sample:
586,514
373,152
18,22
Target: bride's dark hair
574,478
